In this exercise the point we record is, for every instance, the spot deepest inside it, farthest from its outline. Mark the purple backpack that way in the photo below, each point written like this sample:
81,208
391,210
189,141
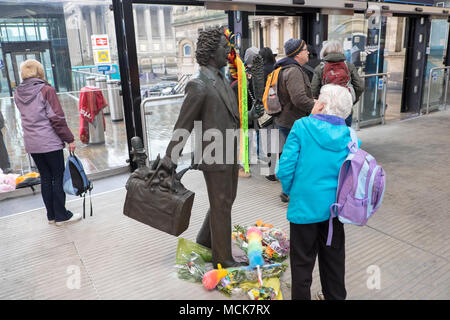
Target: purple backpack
360,188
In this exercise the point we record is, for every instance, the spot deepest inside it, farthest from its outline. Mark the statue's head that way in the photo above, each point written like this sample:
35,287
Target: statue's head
212,48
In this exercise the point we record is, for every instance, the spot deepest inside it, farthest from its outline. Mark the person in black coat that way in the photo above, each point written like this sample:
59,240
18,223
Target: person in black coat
269,60
4,159
312,63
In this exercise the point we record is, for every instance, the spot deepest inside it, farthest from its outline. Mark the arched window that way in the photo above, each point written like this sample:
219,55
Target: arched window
187,50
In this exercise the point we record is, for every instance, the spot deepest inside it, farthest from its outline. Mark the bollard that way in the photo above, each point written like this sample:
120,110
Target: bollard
100,83
115,100
97,130
90,81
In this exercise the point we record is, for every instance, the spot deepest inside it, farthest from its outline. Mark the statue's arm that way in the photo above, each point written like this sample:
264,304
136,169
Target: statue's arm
191,110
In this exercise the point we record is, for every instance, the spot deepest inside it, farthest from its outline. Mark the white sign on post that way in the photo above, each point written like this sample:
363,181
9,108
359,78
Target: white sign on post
100,48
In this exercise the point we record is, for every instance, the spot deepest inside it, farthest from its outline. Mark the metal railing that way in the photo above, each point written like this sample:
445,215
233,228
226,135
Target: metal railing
429,86
144,122
79,78
361,101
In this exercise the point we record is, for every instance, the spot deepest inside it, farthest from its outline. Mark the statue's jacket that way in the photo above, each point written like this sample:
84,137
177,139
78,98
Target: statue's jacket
211,104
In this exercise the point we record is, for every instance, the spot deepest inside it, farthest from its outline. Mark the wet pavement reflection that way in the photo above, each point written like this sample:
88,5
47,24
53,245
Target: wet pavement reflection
160,118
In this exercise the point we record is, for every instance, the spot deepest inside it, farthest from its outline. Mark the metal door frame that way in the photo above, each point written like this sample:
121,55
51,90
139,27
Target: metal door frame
16,68
23,48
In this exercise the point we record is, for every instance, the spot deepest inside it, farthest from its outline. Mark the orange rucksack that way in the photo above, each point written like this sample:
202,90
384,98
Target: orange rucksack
271,100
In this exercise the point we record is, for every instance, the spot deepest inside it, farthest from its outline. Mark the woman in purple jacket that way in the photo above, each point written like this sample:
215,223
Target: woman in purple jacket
45,133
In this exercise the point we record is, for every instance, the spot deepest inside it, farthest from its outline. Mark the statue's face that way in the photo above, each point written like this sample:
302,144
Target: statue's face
221,53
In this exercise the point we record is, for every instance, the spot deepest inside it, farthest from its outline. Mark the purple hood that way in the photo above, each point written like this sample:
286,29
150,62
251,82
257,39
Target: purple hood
43,121
28,90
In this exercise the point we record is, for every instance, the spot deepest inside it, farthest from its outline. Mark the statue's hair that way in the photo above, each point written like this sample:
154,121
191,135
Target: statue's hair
207,43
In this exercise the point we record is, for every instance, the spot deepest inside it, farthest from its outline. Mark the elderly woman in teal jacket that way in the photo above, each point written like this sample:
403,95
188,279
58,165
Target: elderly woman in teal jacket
308,171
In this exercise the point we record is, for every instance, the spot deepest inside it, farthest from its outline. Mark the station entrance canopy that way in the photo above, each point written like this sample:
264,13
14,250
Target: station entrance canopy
424,7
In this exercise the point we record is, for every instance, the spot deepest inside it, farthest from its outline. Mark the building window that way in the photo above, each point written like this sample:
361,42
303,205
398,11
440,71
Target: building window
187,50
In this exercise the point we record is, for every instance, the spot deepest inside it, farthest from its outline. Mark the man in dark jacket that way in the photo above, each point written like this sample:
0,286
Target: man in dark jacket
294,88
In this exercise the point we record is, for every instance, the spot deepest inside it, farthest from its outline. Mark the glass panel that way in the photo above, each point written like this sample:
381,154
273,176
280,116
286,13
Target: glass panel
43,32
14,33
47,64
58,33
395,57
30,32
363,42
19,59
12,76
4,88
166,62
438,49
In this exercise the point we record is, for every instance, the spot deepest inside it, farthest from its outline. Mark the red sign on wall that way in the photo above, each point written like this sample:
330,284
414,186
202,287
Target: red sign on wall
99,41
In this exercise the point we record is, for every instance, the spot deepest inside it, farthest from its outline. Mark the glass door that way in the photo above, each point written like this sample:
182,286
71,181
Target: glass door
14,60
434,87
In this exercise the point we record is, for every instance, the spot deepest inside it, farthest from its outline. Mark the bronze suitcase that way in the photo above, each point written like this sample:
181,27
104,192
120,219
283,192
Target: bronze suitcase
147,201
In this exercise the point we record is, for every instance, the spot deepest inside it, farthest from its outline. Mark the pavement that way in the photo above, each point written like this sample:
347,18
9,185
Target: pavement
402,253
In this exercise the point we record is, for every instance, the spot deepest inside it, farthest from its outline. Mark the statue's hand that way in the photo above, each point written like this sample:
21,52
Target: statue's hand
256,111
168,165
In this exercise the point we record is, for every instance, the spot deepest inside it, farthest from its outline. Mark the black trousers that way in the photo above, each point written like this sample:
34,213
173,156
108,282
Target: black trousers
51,169
215,232
309,241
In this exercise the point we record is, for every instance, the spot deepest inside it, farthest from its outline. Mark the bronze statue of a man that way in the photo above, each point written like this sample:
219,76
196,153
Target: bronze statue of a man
210,99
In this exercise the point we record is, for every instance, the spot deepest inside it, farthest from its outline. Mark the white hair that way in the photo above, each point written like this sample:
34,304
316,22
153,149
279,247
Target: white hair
31,68
337,99
332,46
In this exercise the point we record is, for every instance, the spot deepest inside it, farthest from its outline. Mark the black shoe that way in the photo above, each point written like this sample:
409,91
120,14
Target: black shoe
284,197
230,264
271,177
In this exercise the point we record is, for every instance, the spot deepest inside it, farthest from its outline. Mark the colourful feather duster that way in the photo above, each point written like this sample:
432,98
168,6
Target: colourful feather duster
238,71
254,250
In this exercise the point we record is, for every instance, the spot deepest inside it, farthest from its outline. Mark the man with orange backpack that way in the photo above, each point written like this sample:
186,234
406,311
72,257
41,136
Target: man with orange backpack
293,89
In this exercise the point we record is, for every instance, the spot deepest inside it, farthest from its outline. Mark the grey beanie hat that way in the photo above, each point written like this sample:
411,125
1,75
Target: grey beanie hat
292,47
250,53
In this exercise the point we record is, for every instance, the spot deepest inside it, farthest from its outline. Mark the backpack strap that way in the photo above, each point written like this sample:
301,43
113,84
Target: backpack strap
334,208
90,200
84,206
353,145
309,68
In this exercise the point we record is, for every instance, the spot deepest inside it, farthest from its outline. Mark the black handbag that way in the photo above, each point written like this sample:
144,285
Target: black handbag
158,200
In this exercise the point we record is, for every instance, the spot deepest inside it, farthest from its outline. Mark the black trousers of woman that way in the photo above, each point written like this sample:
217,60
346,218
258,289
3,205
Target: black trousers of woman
51,169
309,241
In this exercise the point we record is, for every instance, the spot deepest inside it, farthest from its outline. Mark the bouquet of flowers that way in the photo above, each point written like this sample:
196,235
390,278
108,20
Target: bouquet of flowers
263,293
192,268
275,242
237,276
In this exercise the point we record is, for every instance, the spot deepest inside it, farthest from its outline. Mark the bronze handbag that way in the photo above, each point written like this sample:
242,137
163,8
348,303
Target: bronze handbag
159,201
